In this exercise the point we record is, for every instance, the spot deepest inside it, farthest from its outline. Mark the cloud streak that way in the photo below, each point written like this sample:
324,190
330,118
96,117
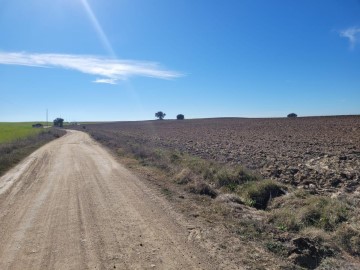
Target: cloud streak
108,71
353,34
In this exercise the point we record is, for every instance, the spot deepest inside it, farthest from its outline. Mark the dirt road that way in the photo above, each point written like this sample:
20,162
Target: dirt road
71,205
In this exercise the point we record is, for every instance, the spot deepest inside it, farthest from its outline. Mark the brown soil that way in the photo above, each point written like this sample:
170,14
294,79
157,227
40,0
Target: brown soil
315,152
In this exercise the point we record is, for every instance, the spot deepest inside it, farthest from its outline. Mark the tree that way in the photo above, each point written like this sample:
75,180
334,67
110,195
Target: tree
292,115
58,122
160,115
180,117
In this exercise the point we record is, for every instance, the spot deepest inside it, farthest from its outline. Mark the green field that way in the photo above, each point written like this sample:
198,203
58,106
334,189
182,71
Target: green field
13,131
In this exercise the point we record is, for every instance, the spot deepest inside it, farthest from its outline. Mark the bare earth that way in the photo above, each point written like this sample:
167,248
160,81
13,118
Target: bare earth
71,205
322,151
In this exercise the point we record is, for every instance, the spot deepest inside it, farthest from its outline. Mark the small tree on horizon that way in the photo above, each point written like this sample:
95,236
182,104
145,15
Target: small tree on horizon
180,117
58,122
160,115
292,115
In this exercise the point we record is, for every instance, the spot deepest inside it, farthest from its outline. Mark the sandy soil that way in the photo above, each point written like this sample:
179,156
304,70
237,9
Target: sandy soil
71,205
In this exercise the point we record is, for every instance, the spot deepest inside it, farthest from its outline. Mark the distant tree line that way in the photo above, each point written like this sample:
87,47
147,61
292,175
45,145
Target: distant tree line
161,115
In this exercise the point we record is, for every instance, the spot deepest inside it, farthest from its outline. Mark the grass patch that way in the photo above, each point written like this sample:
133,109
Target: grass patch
184,177
233,177
167,192
13,131
349,238
296,212
249,229
276,247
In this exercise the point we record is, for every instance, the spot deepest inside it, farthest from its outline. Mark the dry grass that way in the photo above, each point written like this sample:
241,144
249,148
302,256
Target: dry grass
260,193
301,210
348,237
13,152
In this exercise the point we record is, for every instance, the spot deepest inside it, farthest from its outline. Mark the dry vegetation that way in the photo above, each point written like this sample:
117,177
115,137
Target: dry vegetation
289,216
14,151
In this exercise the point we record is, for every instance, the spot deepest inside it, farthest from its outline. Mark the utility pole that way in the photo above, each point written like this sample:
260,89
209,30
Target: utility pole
47,118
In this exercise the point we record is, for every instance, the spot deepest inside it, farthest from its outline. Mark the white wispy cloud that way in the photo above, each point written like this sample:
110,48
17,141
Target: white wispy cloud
108,71
353,34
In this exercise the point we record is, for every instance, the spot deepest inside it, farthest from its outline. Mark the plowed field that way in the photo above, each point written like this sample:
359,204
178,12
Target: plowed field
312,152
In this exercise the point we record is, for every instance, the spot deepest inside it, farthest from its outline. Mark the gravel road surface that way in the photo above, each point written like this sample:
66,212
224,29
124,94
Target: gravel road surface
71,205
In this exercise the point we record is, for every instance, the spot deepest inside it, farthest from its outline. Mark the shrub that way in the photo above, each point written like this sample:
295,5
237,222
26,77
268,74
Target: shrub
292,115
259,193
180,117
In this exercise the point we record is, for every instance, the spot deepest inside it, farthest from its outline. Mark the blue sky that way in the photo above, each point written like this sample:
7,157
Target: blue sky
126,59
